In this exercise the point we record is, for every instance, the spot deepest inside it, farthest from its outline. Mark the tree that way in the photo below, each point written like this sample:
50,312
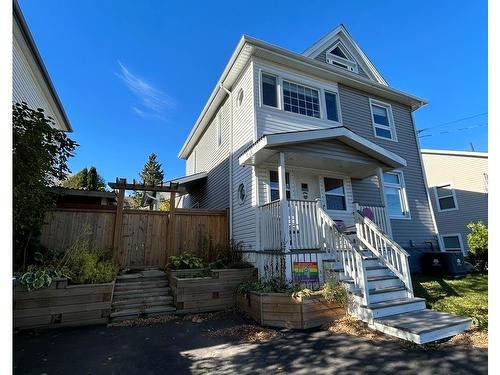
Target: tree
40,155
477,239
87,179
152,173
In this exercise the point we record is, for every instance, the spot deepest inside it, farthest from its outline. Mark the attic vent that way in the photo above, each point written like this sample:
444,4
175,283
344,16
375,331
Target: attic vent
339,56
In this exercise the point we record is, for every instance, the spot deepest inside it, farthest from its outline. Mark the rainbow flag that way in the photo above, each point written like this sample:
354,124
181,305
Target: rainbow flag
305,272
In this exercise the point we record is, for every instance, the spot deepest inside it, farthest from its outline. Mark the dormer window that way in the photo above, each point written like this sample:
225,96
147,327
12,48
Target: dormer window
339,56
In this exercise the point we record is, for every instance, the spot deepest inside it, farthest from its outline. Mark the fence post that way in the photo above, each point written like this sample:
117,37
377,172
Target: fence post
171,226
117,232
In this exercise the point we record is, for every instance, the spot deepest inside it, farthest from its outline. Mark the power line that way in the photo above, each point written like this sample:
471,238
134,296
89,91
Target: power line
452,122
454,130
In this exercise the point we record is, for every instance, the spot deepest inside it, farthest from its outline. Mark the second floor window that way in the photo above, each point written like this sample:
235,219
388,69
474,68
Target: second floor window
269,92
445,197
332,111
383,123
300,99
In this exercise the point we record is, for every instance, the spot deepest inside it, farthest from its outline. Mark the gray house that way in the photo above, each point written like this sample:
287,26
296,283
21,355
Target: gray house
458,186
317,159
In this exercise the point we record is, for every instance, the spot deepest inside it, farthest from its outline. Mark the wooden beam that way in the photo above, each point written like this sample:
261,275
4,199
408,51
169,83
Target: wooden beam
117,234
171,187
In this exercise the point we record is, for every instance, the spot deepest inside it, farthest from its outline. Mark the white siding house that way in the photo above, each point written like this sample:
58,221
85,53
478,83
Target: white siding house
30,80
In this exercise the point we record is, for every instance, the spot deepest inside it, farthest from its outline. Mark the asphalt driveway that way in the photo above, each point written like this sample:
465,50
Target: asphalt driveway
186,347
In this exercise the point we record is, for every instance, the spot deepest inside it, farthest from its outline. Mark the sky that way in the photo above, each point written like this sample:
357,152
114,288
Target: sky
133,76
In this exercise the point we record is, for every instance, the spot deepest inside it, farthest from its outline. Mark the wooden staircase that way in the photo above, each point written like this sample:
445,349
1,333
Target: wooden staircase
376,274
141,294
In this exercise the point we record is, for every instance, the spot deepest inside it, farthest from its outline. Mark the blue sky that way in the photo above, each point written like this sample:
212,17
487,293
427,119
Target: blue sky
133,76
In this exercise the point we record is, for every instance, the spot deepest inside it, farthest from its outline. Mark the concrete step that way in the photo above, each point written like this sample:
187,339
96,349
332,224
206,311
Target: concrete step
393,307
134,313
422,326
383,281
148,301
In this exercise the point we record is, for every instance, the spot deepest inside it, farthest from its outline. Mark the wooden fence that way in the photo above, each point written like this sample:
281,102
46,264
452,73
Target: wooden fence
143,238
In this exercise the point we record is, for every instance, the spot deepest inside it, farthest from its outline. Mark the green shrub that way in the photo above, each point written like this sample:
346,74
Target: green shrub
92,266
38,277
477,239
184,261
261,286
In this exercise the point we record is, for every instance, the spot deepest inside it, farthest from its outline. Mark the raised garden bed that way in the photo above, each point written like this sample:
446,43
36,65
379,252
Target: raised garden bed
215,292
62,305
282,310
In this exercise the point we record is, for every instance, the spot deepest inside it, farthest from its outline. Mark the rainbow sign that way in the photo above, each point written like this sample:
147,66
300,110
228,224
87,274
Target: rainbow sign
305,272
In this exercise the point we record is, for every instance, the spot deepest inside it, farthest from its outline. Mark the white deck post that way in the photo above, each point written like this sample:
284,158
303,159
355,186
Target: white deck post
380,177
285,226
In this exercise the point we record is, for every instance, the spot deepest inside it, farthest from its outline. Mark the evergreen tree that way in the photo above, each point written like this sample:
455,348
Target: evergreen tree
92,179
152,173
87,179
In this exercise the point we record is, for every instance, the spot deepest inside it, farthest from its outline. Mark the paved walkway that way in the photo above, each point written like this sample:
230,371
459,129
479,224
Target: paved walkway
183,347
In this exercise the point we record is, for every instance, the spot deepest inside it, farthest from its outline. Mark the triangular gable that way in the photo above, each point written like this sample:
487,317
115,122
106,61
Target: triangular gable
339,49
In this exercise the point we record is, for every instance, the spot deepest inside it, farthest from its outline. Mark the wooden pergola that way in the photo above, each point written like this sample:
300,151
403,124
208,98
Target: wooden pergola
121,185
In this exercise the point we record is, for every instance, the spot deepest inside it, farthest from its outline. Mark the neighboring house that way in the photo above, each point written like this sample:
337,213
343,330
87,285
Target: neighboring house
458,186
80,198
30,80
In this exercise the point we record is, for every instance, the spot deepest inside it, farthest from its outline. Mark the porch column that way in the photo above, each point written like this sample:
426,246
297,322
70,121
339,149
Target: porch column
285,226
380,177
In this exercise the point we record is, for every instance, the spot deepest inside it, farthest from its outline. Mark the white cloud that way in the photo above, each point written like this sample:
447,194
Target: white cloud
154,102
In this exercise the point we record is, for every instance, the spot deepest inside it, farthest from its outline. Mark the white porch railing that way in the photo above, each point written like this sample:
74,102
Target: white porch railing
388,251
381,217
303,224
270,226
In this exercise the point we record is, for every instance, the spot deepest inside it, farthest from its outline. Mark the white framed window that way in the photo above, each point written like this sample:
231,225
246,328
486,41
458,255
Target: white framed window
218,132
395,195
339,56
335,194
332,106
274,186
300,99
382,120
446,199
269,89
453,242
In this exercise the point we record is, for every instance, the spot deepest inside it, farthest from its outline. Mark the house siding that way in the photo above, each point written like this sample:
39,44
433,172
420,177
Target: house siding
412,234
466,174
208,156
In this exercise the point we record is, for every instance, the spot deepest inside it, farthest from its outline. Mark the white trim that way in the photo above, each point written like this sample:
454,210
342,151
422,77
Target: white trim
402,186
350,62
459,235
390,118
453,194
455,153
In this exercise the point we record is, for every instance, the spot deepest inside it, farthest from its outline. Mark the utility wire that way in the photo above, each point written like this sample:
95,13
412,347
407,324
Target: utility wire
451,122
453,130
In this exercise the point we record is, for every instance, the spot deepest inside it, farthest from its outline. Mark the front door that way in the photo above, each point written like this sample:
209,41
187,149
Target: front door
305,187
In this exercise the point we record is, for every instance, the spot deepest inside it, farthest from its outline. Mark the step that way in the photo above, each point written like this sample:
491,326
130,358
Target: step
125,295
422,326
140,301
393,307
135,290
141,285
383,281
387,294
378,270
150,274
136,312
371,262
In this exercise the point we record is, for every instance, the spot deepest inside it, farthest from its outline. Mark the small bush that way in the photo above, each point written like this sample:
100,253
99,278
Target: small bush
477,239
184,261
92,266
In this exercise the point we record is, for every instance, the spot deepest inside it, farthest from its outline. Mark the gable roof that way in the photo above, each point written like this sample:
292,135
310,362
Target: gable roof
44,79
248,47
341,33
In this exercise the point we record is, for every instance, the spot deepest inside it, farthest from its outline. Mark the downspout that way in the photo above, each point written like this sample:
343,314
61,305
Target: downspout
230,93
422,169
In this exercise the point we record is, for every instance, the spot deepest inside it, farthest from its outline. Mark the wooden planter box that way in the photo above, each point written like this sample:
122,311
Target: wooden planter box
281,310
207,294
62,305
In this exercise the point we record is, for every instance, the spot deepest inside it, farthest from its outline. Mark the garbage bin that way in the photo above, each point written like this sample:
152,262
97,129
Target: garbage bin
448,264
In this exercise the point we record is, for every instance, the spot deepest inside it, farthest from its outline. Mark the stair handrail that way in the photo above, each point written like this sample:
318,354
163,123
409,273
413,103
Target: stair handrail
389,252
349,254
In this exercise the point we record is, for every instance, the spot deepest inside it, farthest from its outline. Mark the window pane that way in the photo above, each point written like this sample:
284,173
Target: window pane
394,201
331,106
380,115
269,96
451,243
307,103
338,52
444,191
446,203
335,202
334,186
385,133
275,195
391,178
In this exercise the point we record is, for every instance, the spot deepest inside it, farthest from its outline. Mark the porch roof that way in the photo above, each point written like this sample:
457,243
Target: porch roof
191,180
268,145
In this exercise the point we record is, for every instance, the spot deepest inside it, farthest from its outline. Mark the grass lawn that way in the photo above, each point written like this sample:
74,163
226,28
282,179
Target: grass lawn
467,296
